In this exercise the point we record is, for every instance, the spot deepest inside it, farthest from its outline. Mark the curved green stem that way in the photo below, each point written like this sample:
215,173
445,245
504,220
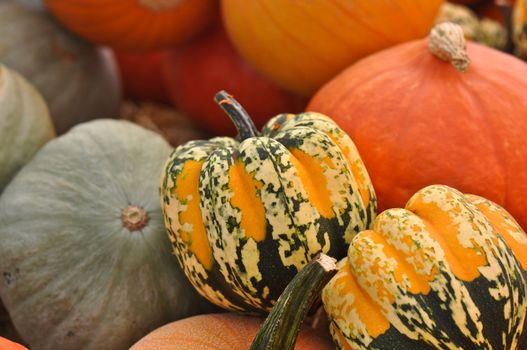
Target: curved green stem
282,325
238,115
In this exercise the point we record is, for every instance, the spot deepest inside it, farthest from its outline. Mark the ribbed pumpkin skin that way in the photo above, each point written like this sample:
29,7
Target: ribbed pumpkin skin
300,45
25,124
134,24
245,217
449,271
417,121
78,81
221,332
73,276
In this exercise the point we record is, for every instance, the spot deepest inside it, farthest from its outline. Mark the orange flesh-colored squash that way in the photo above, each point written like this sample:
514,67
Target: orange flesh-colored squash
134,24
418,121
221,332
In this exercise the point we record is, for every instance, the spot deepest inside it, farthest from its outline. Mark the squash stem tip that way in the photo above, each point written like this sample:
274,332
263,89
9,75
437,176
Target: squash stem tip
237,114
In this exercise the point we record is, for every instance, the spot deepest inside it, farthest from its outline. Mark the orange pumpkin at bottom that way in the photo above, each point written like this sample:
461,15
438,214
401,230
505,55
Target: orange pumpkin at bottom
225,331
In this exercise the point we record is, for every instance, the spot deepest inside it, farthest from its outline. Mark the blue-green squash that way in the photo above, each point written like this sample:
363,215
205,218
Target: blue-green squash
25,124
448,271
85,260
78,80
244,216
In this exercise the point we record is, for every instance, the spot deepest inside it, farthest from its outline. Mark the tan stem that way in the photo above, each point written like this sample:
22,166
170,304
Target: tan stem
159,5
134,218
447,42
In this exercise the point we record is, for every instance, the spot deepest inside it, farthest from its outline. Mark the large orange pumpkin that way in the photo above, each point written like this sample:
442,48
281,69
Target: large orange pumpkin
221,332
134,24
417,121
302,44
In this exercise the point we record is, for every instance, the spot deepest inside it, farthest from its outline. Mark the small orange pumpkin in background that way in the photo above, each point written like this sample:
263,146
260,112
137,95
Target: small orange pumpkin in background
221,332
134,24
417,121
300,45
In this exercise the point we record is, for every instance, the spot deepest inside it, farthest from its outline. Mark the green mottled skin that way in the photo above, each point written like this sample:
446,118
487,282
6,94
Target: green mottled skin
249,275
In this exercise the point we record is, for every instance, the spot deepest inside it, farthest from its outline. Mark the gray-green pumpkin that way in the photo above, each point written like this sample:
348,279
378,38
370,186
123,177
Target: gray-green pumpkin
85,259
78,81
25,124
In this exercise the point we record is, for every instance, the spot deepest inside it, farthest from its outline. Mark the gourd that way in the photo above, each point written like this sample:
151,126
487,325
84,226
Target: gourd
416,120
85,261
25,124
300,45
221,332
244,216
135,24
449,271
195,72
6,344
78,81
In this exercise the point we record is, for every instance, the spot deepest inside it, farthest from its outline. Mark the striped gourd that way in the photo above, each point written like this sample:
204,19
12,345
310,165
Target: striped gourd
244,216
446,272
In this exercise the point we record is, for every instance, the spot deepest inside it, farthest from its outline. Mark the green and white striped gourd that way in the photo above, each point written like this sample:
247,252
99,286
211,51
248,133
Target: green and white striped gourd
244,216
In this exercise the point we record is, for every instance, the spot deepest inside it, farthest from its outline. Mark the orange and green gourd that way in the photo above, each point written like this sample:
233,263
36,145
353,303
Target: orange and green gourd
244,216
448,271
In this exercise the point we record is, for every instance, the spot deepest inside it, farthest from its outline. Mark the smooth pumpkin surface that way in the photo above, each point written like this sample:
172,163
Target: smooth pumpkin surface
448,271
6,344
135,24
78,81
25,124
195,72
85,258
141,75
300,45
245,216
417,121
221,332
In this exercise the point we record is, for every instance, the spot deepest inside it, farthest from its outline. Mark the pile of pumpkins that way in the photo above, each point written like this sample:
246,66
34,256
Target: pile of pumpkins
389,135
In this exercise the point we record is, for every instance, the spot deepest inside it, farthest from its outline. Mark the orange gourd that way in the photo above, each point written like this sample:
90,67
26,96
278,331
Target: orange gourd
134,24
417,121
221,332
6,344
300,45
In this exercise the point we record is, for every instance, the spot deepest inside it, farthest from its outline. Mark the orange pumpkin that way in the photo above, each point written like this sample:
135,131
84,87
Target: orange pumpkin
418,121
134,24
6,344
300,45
221,332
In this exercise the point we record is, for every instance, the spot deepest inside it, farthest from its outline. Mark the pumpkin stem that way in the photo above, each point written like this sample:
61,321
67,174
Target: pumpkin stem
282,325
447,42
238,115
134,218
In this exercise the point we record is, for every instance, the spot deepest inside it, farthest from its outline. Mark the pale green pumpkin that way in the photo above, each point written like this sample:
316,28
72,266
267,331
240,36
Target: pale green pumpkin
85,260
25,124
78,81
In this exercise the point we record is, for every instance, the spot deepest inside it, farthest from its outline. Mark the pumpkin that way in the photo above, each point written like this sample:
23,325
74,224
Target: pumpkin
6,344
306,43
78,81
195,72
141,75
25,124
134,24
448,271
244,216
519,27
416,120
220,332
85,259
